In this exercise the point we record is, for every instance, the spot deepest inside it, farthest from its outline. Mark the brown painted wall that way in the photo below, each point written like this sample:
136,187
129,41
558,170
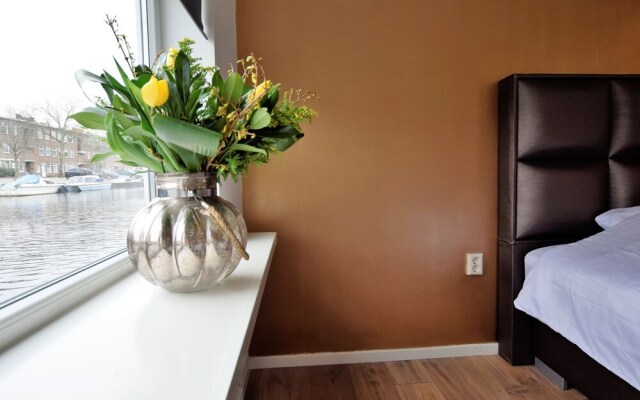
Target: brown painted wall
396,179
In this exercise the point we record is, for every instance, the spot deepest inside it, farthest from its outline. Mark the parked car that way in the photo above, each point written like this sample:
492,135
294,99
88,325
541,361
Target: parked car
77,171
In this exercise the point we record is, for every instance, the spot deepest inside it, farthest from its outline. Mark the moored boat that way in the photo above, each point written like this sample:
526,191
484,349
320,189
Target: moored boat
29,185
88,182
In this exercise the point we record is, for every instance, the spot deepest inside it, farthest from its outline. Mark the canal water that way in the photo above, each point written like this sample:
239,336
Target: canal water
46,236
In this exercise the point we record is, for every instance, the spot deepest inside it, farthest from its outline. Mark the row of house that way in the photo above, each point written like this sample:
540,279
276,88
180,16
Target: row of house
29,146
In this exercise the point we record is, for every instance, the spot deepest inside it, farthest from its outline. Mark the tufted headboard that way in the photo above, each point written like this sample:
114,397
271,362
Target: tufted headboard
569,149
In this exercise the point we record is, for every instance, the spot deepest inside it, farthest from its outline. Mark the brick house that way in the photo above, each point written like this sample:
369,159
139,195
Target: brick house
28,146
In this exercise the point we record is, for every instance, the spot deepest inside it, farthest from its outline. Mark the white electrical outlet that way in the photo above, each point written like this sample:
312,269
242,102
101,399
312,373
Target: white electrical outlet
474,264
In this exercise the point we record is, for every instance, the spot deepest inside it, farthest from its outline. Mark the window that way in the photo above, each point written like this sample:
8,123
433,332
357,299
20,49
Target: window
21,167
6,148
4,127
95,222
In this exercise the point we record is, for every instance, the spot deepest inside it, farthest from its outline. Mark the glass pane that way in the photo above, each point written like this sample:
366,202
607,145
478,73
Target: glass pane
59,212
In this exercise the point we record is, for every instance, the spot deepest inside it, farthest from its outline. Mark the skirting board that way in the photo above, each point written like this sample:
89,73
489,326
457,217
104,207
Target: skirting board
369,356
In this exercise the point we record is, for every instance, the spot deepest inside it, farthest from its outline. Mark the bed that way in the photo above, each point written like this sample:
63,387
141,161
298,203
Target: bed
569,149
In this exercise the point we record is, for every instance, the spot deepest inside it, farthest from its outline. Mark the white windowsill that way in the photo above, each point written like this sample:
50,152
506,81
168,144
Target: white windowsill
138,341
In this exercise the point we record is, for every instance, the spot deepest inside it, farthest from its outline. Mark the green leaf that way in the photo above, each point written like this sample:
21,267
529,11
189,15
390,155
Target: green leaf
133,94
124,121
142,80
131,151
137,94
175,104
123,75
170,159
271,99
83,76
260,119
281,132
117,86
102,156
121,105
130,163
216,80
246,147
195,98
284,144
183,76
137,133
91,118
142,69
191,137
232,88
191,160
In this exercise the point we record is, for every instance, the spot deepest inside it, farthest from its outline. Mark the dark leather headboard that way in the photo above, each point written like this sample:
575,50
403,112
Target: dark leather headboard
569,149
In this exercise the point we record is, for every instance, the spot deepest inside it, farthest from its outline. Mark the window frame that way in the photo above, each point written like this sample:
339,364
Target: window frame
33,308
27,312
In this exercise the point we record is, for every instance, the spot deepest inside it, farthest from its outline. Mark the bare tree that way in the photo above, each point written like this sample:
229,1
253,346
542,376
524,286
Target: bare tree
19,144
58,125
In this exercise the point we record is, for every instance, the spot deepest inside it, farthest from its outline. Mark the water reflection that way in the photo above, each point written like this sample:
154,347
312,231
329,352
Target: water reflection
46,236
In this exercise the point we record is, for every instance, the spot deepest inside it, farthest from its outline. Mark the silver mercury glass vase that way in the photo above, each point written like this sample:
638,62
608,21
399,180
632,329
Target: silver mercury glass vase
175,244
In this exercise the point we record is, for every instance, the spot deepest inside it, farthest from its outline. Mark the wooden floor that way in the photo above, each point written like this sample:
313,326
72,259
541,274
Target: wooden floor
481,377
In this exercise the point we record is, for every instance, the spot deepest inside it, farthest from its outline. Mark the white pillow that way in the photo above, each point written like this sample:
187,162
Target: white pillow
613,217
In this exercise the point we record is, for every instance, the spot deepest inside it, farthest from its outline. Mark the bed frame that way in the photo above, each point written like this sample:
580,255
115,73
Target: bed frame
569,149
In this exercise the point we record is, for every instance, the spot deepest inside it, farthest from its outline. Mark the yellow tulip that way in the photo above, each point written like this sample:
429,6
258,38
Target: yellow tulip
171,57
258,92
155,92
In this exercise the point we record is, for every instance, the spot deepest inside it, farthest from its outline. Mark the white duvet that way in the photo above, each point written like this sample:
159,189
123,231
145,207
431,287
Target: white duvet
589,292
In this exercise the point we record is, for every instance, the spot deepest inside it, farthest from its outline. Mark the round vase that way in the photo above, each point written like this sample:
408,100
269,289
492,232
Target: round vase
174,243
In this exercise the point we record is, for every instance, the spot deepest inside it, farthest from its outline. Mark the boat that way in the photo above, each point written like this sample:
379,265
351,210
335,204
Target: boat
125,182
29,185
86,183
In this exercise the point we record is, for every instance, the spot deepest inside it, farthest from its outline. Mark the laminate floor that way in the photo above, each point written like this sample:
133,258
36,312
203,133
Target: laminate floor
463,378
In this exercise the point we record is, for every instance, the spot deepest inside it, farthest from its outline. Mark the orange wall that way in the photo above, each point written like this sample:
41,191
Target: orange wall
397,178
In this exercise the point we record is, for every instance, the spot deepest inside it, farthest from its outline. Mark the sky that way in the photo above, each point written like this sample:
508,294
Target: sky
44,42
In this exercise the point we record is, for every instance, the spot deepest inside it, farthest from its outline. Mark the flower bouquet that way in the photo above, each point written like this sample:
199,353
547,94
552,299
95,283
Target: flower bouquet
193,127
180,116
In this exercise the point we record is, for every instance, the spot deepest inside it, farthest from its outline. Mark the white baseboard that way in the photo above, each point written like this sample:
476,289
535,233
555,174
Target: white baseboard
367,356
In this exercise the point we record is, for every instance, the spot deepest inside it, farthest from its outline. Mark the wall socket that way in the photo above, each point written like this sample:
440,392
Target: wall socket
474,264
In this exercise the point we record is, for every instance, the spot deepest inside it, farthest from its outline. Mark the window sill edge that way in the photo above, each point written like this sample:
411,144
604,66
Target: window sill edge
23,317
